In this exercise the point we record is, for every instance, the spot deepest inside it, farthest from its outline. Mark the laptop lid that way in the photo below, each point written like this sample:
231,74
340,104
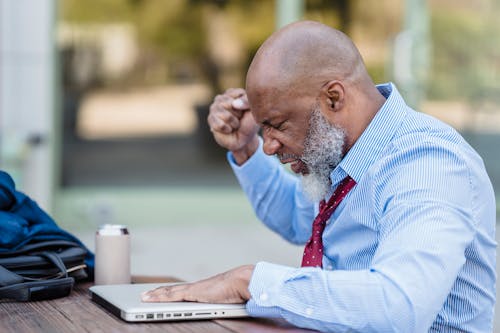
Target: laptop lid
124,301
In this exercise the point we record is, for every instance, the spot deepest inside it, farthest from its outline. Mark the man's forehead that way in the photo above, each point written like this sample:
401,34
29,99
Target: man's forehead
278,107
266,114
263,101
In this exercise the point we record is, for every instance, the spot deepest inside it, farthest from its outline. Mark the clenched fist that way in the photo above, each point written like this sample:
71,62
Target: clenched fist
233,125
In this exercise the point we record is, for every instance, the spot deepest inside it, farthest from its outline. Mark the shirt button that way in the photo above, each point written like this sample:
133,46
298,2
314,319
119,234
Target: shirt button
309,311
263,297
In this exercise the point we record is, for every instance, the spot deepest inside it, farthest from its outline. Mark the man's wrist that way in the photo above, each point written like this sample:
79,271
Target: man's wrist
243,154
244,274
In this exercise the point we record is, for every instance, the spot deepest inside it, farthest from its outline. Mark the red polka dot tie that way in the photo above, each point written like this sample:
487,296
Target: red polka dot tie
313,252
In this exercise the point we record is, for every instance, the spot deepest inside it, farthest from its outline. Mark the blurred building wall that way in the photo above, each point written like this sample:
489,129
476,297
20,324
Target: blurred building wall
27,95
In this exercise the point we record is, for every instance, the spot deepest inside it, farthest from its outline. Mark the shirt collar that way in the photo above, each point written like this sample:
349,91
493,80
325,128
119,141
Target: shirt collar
367,149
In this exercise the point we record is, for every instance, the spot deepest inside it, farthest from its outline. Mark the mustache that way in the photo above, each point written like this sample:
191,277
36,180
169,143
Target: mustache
304,159
288,156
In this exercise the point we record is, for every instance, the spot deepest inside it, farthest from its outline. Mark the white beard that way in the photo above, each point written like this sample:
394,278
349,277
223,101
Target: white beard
323,151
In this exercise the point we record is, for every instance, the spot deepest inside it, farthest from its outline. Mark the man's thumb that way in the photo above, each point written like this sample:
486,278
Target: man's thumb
240,103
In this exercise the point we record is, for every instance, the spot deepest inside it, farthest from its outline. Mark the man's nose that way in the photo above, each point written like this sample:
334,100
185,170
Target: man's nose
271,145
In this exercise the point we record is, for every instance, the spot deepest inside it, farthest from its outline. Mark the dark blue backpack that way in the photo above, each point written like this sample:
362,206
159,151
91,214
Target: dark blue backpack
38,260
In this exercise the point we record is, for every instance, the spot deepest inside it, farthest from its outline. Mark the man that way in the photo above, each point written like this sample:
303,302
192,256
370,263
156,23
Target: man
409,232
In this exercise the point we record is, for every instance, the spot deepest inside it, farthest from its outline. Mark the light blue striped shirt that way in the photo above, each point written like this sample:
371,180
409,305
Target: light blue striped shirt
410,249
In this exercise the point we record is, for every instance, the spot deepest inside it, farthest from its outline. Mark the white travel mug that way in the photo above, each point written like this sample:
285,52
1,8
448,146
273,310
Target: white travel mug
112,255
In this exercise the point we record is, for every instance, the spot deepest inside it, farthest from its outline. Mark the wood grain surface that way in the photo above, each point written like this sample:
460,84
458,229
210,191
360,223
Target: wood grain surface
77,313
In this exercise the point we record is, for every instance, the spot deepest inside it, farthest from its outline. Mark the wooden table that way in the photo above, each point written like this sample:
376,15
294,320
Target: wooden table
77,313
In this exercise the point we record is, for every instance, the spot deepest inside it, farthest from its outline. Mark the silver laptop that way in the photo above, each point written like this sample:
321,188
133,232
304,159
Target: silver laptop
124,301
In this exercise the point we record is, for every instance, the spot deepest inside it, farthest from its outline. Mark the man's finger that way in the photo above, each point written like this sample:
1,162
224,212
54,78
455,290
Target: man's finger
230,119
225,104
240,103
235,92
218,125
163,294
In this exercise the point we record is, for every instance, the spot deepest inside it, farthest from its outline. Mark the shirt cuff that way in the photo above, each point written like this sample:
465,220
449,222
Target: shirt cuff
264,288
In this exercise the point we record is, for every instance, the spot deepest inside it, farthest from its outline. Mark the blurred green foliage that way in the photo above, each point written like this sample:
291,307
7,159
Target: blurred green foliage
466,56
465,43
175,31
170,27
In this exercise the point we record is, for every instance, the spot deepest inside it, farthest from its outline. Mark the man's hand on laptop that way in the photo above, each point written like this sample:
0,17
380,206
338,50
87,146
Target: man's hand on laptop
227,287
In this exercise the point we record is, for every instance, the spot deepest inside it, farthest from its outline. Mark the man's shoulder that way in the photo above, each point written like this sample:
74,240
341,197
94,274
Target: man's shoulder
420,129
424,143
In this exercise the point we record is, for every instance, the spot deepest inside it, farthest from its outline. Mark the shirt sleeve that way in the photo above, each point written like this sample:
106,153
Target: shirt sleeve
425,229
275,196
309,297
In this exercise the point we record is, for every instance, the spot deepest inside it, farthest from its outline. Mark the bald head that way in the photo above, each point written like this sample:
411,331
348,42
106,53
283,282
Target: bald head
305,54
303,67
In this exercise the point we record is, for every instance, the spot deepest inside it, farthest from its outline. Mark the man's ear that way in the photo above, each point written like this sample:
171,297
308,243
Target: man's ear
333,93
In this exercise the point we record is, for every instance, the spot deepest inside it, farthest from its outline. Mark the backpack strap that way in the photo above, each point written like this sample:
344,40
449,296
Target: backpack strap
55,259
19,288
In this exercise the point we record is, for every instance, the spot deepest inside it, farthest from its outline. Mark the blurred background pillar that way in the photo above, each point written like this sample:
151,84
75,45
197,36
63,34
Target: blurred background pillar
411,58
288,11
27,101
